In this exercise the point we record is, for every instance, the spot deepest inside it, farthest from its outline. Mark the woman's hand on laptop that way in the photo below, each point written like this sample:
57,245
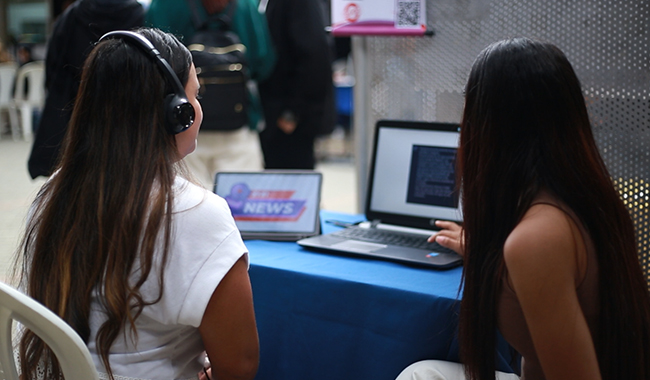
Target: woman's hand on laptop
450,236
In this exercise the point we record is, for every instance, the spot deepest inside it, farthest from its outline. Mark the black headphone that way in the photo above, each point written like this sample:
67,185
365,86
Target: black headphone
179,111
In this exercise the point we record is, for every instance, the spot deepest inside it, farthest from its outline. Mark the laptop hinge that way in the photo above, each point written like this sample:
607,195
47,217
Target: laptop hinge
375,223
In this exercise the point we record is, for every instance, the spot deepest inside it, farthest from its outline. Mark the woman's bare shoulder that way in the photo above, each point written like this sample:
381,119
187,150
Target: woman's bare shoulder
542,255
544,240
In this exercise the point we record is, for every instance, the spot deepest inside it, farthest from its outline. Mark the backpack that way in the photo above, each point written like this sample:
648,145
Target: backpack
222,70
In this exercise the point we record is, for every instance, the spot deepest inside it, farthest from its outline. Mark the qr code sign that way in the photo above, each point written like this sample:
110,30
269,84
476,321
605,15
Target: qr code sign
408,13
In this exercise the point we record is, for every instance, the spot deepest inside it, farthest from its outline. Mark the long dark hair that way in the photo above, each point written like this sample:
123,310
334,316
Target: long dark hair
108,204
525,127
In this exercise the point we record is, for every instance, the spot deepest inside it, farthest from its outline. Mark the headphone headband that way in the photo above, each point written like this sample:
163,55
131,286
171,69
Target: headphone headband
180,112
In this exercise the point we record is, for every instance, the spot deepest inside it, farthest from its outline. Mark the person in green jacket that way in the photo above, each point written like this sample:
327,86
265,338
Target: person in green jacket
224,150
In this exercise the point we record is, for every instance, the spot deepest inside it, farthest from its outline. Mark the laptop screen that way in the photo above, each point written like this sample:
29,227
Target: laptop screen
413,178
272,204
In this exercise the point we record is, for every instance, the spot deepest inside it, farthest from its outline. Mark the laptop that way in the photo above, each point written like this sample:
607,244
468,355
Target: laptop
411,184
272,205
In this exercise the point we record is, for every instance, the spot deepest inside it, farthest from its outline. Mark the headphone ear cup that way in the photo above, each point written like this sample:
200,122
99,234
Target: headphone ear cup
180,113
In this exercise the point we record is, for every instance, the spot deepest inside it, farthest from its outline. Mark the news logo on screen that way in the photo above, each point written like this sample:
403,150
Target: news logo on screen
266,205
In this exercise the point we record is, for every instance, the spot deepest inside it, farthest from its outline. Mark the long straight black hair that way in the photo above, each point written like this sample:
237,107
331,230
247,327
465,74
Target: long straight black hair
525,127
108,205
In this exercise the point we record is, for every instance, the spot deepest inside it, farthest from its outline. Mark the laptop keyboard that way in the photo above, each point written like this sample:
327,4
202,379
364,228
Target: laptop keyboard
380,236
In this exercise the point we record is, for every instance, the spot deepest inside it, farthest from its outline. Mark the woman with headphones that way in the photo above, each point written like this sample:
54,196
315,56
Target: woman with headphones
147,267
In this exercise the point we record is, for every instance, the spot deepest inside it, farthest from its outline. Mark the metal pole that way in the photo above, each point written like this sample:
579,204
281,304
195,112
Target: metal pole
360,117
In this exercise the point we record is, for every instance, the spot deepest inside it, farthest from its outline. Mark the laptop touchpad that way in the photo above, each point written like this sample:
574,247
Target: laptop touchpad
358,246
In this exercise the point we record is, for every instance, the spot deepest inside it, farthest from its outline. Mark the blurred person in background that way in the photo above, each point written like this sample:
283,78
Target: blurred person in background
75,32
5,55
237,149
298,96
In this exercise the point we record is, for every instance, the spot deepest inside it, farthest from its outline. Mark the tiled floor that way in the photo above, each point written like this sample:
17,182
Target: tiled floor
17,190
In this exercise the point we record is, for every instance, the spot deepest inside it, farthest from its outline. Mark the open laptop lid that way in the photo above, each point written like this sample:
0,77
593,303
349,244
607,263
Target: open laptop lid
272,205
412,179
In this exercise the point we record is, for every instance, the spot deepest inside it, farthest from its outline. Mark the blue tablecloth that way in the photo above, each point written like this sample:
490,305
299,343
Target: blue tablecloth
324,316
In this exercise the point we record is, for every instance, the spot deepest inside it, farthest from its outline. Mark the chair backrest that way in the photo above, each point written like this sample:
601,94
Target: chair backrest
7,76
70,350
34,72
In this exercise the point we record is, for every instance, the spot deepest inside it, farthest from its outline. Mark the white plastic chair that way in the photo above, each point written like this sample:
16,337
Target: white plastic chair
7,77
26,102
70,350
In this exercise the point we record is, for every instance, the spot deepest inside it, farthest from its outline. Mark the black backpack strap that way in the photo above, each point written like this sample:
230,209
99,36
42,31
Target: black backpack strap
223,18
196,19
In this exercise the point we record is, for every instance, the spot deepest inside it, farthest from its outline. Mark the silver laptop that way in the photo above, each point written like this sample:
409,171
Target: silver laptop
412,183
272,205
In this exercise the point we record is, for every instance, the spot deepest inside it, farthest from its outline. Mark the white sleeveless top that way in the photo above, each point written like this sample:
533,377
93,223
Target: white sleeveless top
205,244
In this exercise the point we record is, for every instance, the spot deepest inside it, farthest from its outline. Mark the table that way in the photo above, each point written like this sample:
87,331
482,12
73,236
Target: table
325,316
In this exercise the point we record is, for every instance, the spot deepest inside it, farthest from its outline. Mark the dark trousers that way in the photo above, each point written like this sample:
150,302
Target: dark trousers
282,151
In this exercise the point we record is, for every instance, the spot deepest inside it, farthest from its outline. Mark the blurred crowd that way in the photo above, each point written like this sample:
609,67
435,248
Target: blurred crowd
297,71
